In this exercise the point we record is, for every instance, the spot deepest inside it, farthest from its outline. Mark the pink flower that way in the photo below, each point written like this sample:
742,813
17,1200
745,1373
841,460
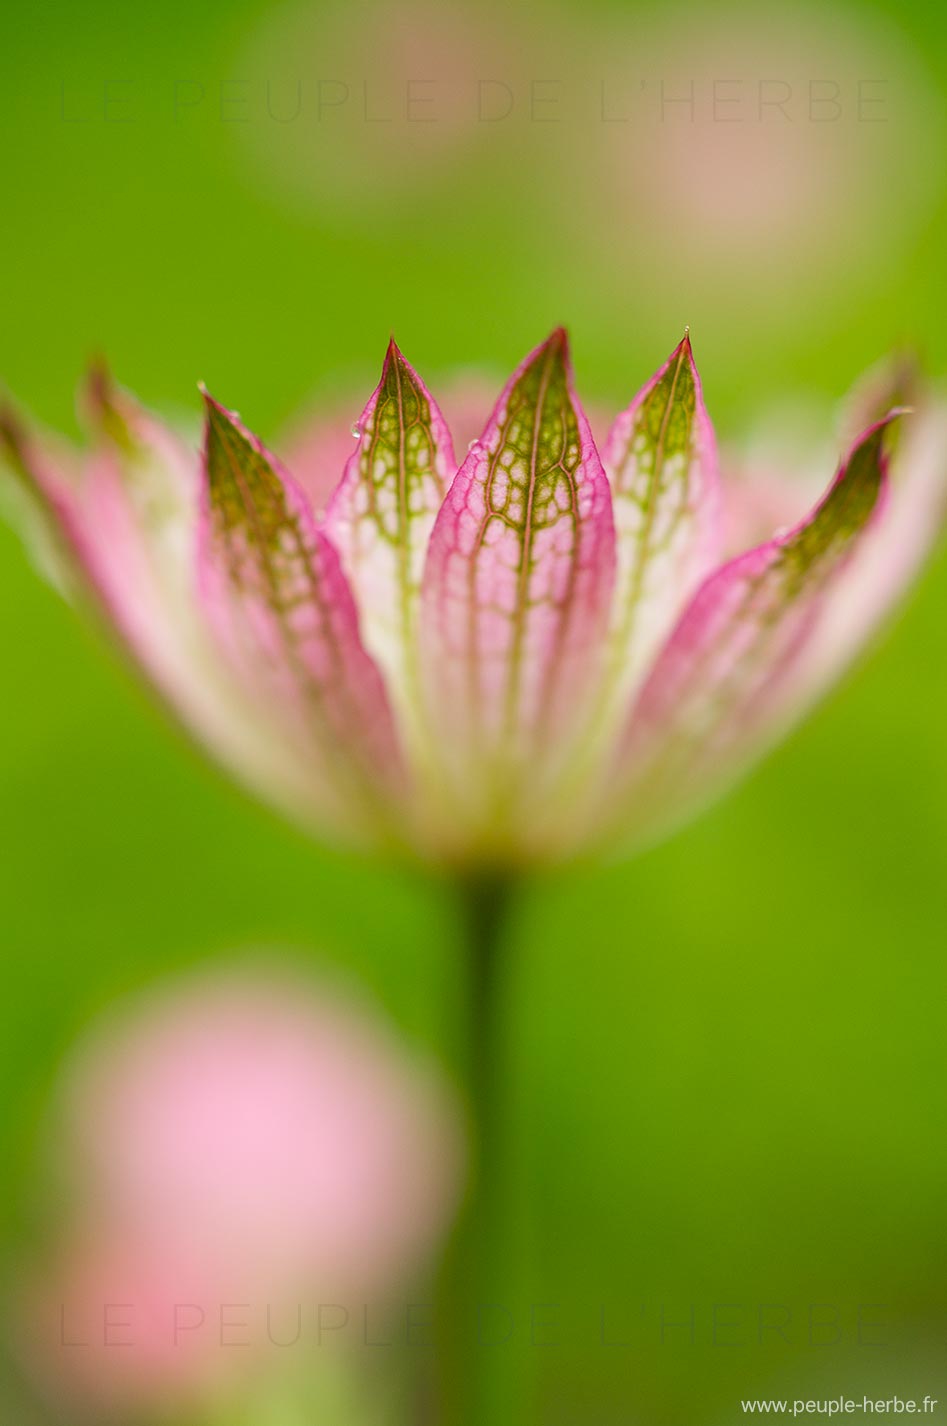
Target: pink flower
273,1133
540,648
244,1160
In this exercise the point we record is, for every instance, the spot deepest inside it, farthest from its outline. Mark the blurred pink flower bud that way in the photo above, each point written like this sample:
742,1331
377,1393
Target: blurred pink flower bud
246,1120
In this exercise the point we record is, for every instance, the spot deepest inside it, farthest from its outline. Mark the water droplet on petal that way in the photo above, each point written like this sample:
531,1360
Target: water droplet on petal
782,532
474,446
356,429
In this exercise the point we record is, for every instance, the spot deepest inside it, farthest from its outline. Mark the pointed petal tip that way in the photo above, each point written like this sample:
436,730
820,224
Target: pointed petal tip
213,407
9,420
394,354
556,345
213,410
99,382
101,402
219,418
557,342
685,347
876,428
12,433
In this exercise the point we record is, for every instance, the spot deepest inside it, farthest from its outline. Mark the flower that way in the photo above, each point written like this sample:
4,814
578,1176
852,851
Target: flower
742,191
232,1151
270,1129
497,661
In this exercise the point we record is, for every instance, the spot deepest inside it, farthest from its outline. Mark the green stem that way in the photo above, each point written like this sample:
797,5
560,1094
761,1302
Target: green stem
469,1281
485,906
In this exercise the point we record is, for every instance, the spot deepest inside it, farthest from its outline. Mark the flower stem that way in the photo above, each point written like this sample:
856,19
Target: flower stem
469,1277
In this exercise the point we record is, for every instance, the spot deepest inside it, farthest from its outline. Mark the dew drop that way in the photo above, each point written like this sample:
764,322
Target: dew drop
356,429
474,446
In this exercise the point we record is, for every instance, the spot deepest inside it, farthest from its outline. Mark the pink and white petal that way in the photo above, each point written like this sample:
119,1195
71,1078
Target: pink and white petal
381,516
776,474
122,519
661,461
890,554
124,523
281,612
24,504
746,656
517,588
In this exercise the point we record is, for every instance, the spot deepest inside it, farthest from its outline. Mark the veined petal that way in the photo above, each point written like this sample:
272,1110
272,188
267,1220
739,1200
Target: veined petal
282,612
518,581
889,554
733,670
124,521
119,516
661,461
317,447
381,516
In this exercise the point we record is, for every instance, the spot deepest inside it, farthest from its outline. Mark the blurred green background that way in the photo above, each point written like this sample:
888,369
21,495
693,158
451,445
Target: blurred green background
726,1061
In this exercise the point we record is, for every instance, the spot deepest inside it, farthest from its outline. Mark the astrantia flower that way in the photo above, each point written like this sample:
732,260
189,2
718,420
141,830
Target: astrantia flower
230,1151
256,1122
543,647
